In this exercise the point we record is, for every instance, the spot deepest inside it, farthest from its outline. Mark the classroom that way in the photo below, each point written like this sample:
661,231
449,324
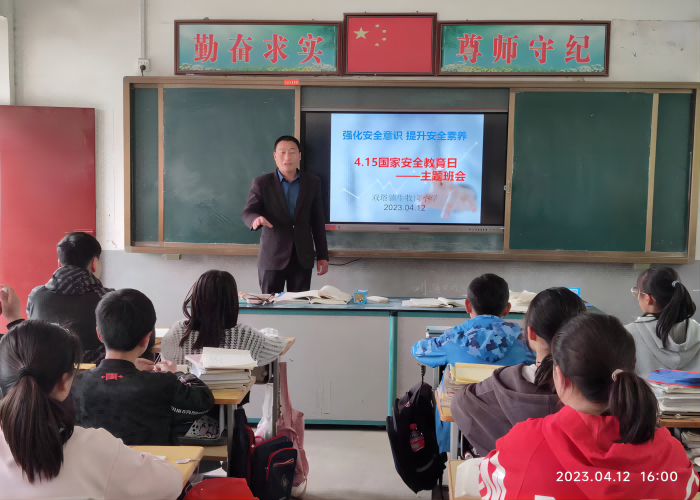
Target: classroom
485,193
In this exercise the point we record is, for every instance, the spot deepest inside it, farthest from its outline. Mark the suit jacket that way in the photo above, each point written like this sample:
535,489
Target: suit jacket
308,227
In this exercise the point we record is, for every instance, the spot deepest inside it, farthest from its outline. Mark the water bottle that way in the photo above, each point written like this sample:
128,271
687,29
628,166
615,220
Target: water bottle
417,439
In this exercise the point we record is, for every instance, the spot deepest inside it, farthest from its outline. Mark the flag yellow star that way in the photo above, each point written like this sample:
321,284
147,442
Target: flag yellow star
361,34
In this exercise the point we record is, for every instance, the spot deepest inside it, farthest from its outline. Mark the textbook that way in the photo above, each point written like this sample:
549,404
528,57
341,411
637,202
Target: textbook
471,373
439,302
329,295
216,357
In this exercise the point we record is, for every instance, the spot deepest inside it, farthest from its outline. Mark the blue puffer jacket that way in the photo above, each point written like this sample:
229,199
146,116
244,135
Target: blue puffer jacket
485,340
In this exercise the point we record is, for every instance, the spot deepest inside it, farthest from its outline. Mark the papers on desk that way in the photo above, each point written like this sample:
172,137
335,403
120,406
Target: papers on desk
439,302
520,301
328,295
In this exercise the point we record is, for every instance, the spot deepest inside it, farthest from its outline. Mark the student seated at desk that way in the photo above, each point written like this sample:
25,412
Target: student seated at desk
484,339
42,453
137,406
665,335
487,411
71,295
212,321
604,443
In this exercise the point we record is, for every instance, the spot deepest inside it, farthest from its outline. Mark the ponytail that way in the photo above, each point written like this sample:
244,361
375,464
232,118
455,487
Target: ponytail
631,401
34,356
598,355
544,376
663,283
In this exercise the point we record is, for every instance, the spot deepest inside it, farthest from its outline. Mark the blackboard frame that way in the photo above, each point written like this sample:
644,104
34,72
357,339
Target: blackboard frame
507,254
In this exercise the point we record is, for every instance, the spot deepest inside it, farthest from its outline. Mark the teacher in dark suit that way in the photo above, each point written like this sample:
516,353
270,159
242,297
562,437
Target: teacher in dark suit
287,205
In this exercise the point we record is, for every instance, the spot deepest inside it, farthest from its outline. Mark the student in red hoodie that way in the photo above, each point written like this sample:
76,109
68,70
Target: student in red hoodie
604,443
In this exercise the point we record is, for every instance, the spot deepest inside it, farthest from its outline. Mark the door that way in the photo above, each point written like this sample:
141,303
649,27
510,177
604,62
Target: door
47,189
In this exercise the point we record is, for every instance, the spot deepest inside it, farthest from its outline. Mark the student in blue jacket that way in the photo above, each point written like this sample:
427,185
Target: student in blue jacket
486,338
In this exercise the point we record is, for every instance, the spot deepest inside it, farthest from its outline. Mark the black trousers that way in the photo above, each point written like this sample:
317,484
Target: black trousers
297,278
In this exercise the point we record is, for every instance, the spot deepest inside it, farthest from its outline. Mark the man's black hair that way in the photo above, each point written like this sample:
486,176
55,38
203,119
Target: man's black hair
124,318
78,249
289,138
488,294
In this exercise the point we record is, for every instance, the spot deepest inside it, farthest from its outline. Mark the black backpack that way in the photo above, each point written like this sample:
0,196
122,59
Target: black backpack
422,469
273,464
268,468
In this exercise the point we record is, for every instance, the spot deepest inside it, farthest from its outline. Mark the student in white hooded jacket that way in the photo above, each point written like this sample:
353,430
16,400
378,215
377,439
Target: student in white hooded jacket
665,336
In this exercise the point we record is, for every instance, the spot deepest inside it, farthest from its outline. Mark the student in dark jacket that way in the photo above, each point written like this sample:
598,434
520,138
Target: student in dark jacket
487,411
71,295
137,406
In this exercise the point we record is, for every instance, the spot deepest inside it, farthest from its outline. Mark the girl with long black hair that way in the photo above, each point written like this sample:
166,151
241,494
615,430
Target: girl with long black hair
665,335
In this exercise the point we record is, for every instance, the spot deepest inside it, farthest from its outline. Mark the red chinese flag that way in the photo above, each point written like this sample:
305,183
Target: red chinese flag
390,44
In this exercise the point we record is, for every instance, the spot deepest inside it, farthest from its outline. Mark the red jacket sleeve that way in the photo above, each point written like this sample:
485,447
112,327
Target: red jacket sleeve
503,470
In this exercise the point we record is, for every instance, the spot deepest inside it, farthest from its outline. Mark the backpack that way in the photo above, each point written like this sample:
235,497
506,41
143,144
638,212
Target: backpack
422,469
268,467
273,464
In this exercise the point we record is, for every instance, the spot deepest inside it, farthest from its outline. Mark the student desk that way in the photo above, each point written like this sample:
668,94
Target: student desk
446,416
686,423
232,398
172,453
452,476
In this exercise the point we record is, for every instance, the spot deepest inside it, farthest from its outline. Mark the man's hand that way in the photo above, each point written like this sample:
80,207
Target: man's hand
9,304
166,366
321,267
260,221
145,365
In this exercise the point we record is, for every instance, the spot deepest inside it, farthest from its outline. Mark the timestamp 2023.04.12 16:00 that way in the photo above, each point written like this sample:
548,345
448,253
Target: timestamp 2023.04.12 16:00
614,477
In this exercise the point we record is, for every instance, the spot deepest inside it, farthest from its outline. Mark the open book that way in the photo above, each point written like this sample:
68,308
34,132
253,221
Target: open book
439,302
520,301
327,295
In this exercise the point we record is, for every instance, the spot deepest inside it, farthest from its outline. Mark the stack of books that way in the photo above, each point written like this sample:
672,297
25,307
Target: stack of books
223,368
678,393
461,374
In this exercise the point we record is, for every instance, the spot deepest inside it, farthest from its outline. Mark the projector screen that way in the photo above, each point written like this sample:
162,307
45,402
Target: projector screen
414,170
406,168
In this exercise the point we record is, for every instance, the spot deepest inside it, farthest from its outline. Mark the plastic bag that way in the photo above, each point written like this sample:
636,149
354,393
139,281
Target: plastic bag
263,431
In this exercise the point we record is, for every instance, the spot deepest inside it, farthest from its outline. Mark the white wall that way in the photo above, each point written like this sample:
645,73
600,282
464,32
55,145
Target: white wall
5,86
76,52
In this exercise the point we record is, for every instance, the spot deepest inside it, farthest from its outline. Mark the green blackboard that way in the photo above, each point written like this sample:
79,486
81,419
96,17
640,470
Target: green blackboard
144,161
216,142
580,171
674,149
